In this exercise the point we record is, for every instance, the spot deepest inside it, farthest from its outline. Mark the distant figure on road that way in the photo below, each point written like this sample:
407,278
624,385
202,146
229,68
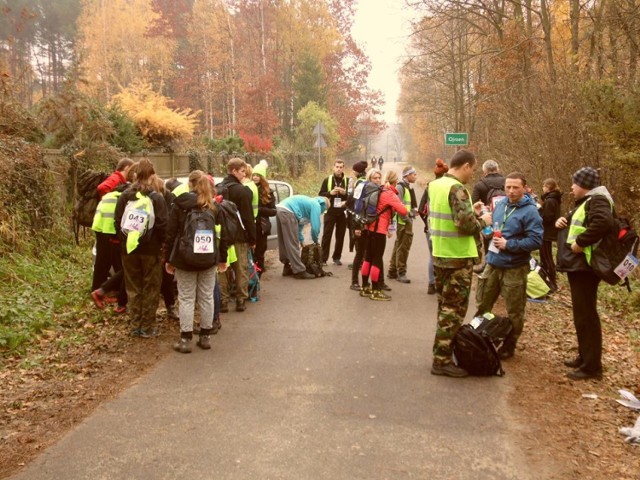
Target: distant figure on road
334,187
292,214
380,162
374,162
453,225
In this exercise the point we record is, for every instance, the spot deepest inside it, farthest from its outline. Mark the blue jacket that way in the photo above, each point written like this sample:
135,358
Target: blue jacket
522,229
306,209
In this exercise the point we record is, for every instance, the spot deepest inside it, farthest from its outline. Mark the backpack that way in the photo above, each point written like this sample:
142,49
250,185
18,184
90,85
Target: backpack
615,256
311,257
494,195
231,222
254,280
197,243
538,285
475,345
87,199
366,197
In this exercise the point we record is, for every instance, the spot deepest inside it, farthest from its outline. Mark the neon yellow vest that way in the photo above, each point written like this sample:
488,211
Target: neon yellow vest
406,199
180,189
577,227
104,219
447,241
256,197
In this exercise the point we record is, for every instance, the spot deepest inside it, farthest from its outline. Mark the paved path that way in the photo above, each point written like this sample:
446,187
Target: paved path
312,382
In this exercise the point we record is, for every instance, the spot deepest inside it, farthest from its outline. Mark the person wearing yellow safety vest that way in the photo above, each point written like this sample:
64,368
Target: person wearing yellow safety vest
255,195
404,231
266,209
582,228
141,254
453,223
335,188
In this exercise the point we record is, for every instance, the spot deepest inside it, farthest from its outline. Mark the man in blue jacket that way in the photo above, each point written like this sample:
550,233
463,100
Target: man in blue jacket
293,213
517,232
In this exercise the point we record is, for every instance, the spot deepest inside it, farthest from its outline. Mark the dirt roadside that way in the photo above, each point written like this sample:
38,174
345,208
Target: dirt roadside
42,401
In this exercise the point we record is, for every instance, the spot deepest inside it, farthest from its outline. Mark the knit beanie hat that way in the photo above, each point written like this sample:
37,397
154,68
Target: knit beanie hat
587,178
441,168
260,169
360,167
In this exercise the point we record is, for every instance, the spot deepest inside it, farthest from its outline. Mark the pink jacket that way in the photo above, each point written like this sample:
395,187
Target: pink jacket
390,203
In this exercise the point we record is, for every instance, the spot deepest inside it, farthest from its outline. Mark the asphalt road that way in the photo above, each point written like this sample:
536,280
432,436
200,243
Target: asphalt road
311,382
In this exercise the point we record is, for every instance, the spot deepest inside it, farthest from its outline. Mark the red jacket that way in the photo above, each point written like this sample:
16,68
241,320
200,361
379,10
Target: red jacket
390,203
111,182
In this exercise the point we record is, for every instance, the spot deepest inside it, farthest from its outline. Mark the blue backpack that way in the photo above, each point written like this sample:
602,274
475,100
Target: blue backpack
366,197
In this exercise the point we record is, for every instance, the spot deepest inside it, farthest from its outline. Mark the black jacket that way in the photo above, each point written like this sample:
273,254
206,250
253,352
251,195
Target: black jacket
265,210
177,216
242,196
550,212
150,243
481,188
324,192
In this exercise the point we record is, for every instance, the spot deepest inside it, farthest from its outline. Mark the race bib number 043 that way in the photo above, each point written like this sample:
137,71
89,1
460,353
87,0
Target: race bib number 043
136,221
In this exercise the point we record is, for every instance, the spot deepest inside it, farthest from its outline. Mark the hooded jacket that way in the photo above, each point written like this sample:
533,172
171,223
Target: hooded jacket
150,243
242,196
521,226
598,221
181,206
550,212
307,210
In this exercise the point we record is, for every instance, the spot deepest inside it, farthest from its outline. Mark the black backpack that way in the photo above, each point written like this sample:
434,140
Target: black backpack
197,243
475,351
231,222
87,199
612,250
311,257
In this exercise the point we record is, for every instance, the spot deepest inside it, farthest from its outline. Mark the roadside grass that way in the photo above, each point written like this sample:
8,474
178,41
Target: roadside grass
44,296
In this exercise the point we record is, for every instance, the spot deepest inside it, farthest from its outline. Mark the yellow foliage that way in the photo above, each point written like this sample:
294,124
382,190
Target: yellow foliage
158,123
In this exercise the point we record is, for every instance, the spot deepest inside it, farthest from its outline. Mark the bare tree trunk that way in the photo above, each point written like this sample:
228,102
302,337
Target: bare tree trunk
232,72
546,28
574,16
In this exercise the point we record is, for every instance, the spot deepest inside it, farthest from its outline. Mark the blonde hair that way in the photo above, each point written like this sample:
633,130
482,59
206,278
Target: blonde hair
199,184
372,172
392,177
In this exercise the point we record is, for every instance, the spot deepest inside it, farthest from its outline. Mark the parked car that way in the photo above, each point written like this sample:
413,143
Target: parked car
280,190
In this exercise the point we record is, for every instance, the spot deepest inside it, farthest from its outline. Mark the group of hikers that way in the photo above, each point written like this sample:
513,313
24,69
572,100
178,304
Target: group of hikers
150,232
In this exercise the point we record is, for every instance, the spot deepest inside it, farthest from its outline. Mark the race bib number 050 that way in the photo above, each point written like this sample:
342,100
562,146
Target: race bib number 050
203,241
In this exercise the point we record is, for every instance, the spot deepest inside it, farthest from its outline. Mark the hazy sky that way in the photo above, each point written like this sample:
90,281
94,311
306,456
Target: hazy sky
381,27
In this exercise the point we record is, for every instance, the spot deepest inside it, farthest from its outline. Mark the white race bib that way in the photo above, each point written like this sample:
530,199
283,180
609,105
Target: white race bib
337,202
136,221
626,267
493,248
203,241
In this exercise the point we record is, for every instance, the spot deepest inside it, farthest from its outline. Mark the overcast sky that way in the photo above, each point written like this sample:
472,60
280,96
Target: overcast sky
381,27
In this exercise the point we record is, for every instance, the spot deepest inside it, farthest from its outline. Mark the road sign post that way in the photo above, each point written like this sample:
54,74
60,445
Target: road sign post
456,139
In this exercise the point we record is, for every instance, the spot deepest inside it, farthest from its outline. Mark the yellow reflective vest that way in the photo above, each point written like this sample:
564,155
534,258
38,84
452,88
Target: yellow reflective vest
447,241
577,227
256,197
406,199
104,219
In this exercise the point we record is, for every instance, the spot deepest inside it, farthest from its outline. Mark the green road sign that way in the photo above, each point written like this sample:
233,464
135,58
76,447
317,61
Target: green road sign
456,138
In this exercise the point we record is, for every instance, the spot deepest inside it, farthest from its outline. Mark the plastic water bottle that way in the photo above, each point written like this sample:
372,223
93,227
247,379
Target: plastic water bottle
487,230
496,230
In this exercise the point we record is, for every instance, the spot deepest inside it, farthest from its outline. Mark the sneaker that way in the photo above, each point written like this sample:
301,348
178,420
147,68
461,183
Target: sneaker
402,278
574,362
365,291
183,346
145,333
110,300
580,374
350,266
303,275
449,370
355,286
203,342
98,298
120,309
392,275
337,262
172,312
385,287
431,290
379,295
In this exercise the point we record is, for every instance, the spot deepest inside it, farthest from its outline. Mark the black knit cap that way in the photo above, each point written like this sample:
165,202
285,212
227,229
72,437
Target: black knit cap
587,178
360,167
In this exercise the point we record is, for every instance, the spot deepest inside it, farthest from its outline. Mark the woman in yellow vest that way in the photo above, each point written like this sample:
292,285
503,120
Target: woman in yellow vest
266,209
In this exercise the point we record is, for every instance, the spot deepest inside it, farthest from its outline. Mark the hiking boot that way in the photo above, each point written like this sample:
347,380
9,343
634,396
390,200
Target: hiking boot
286,270
224,307
379,295
575,363
431,290
337,262
580,374
449,370
98,298
215,328
120,309
355,286
303,275
365,291
241,306
110,300
172,312
402,278
183,346
203,342
385,287
392,275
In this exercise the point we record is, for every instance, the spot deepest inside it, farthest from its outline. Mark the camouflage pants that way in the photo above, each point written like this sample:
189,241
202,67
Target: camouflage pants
404,238
511,283
142,277
453,286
